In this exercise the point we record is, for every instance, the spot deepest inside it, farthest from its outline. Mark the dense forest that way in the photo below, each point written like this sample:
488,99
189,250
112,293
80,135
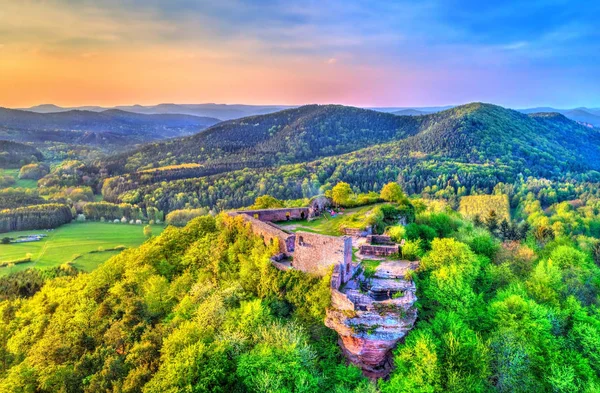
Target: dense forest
468,149
45,216
501,208
201,309
15,155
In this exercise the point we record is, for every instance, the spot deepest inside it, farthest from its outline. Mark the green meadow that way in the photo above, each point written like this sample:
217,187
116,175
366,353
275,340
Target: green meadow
26,183
328,225
73,242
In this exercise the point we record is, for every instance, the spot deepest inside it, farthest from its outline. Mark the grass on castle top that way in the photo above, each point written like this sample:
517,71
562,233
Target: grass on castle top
66,242
328,225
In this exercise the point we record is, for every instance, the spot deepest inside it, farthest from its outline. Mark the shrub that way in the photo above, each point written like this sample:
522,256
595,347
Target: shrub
180,218
33,171
6,181
420,231
484,245
397,233
411,250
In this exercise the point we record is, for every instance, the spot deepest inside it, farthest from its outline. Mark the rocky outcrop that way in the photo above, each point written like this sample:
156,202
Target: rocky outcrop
371,315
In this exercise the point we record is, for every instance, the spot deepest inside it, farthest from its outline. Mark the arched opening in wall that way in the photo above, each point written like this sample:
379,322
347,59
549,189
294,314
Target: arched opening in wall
301,240
287,216
256,215
302,215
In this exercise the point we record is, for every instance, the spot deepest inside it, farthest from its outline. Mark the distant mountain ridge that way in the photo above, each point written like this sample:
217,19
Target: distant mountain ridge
237,111
219,111
88,127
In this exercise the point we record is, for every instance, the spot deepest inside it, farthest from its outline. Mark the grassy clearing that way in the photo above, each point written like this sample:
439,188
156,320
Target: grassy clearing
20,183
370,266
327,225
65,243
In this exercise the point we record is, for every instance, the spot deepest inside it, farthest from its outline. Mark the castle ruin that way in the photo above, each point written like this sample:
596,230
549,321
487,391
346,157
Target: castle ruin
370,312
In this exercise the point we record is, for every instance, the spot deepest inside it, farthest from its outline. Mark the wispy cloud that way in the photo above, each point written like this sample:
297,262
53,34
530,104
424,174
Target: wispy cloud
396,46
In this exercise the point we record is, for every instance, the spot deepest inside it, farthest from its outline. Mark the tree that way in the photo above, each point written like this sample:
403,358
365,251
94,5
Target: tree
148,231
492,221
5,240
267,202
341,193
392,192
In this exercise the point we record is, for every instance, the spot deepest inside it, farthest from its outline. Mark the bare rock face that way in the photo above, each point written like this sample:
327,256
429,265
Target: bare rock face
371,315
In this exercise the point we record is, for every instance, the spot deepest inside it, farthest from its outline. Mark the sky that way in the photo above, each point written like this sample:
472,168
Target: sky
363,53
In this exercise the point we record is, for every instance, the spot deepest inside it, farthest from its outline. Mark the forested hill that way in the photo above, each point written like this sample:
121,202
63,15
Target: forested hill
483,133
472,133
15,155
87,127
293,135
466,149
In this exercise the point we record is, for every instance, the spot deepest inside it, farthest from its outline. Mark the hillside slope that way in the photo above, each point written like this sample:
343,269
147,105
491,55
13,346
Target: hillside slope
473,146
293,135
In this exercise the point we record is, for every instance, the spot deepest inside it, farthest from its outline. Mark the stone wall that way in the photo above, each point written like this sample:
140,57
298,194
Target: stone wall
275,215
314,253
271,233
379,239
367,249
357,232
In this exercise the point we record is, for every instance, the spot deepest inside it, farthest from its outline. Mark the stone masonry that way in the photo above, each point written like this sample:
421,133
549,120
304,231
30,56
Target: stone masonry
314,253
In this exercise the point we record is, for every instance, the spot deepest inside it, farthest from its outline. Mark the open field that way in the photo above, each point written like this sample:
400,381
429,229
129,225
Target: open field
327,225
20,183
66,242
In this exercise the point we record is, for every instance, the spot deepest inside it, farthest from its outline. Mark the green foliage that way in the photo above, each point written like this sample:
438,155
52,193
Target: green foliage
33,171
396,233
195,309
180,218
412,250
11,198
482,205
392,192
15,155
341,193
266,202
34,217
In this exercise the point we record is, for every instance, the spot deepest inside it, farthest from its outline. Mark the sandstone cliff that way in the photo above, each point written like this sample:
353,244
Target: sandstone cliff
372,314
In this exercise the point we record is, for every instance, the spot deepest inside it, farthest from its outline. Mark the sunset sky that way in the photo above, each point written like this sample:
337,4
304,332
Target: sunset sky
364,53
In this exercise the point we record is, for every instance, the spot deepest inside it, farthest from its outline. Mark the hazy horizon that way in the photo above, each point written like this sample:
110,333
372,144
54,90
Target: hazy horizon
394,107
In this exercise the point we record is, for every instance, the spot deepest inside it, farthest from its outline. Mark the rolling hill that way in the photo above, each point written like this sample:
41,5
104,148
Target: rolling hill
409,112
582,115
293,135
114,127
293,153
